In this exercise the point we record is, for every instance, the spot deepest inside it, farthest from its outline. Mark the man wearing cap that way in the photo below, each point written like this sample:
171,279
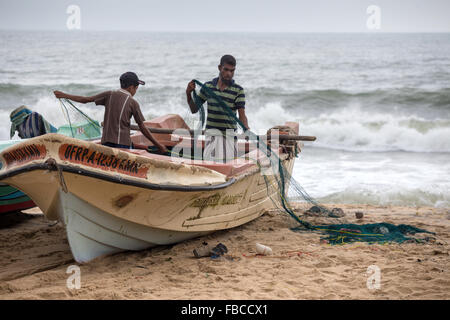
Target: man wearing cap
120,106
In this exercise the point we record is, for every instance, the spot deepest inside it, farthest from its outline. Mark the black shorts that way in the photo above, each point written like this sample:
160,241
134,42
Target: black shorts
115,145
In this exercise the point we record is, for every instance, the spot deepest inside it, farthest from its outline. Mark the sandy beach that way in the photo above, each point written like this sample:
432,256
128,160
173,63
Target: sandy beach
35,256
366,83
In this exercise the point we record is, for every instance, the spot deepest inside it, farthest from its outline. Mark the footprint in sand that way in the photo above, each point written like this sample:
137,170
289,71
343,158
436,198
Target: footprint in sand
52,295
319,280
320,265
250,292
331,296
405,290
269,286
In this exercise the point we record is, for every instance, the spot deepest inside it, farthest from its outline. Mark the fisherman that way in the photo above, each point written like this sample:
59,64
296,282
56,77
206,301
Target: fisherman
221,142
119,107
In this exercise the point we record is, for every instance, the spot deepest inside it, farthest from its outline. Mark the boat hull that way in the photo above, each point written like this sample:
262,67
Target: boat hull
93,233
106,211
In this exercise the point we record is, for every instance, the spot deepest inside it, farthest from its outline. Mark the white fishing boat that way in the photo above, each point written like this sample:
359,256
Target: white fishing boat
111,200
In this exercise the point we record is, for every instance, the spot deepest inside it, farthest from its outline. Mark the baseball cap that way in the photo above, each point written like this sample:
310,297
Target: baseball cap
131,78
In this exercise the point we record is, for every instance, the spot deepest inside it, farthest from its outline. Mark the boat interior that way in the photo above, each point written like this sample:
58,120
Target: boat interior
248,150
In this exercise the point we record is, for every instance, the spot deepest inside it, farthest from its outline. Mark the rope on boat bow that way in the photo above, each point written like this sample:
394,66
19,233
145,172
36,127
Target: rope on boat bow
53,165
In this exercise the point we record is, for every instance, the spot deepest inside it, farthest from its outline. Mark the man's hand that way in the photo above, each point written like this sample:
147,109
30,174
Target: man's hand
191,103
190,87
60,94
162,149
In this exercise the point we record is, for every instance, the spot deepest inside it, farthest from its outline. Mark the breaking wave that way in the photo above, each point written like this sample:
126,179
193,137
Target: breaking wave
355,129
394,196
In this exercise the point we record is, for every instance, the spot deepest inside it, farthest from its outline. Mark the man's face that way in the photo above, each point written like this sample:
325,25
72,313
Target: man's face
226,73
134,89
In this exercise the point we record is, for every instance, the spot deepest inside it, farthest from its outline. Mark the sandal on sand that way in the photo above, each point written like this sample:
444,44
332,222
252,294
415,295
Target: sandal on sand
218,251
203,251
206,250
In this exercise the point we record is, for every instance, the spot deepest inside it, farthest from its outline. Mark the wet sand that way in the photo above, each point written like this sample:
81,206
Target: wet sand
35,256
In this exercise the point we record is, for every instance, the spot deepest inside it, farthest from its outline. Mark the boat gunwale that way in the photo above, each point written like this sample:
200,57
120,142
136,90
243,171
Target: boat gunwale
113,178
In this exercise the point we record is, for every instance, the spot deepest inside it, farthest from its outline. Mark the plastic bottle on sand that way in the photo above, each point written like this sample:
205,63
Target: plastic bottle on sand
262,249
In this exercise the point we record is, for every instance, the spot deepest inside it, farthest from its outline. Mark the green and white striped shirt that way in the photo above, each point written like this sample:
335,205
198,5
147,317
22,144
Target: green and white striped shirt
233,96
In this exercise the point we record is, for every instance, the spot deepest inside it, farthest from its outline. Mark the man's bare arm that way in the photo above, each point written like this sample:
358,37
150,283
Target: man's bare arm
80,99
150,137
243,118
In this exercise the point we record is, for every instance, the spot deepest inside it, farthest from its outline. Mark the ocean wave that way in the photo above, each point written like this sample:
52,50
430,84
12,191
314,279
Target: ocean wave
20,89
393,196
332,98
292,97
354,129
49,107
351,127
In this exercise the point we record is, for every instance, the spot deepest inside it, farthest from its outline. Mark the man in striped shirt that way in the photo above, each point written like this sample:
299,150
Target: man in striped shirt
220,126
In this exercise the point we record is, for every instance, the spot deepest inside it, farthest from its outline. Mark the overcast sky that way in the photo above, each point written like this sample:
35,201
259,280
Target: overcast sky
229,15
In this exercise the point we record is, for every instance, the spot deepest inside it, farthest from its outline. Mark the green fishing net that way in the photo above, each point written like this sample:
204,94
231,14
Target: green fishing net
78,124
371,233
280,179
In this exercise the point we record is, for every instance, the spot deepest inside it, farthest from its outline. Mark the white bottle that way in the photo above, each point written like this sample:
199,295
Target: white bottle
262,249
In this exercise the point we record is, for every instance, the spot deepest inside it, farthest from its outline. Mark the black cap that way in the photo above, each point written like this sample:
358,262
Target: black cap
131,78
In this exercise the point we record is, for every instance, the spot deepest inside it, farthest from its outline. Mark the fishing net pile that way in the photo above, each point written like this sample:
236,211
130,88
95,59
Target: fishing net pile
278,179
